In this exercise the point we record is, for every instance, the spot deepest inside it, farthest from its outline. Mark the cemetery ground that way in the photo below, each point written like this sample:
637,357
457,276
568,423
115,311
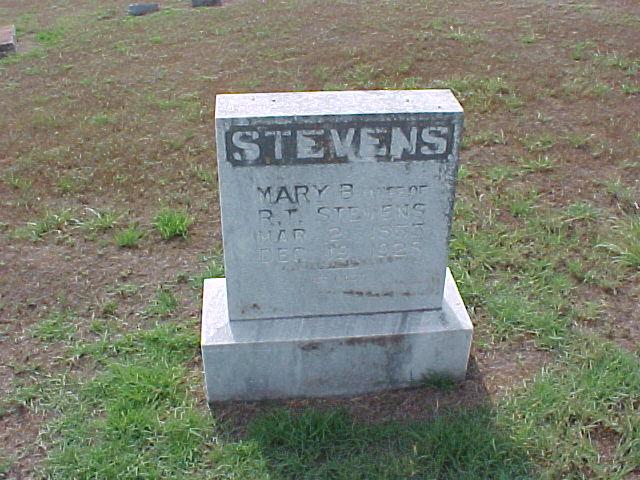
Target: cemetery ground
109,222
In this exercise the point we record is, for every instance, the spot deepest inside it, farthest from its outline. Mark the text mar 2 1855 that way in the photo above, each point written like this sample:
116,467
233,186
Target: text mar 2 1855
323,144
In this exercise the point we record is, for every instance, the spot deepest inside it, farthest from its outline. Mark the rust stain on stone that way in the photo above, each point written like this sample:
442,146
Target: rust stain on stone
361,293
382,341
367,293
252,307
310,346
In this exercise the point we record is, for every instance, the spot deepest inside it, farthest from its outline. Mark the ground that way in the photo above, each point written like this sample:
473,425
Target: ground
109,222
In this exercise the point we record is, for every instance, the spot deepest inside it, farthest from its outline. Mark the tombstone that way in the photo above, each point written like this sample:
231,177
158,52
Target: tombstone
7,40
336,210
137,9
206,3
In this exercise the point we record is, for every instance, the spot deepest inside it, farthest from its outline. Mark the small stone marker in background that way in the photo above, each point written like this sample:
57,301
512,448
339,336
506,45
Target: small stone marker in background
7,40
336,211
137,9
206,3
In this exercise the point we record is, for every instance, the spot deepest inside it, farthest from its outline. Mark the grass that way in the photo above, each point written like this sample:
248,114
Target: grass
57,326
483,94
125,289
530,37
580,49
204,174
539,163
100,220
581,211
172,223
136,418
129,237
577,140
50,37
626,249
623,194
570,417
6,461
164,303
318,444
541,142
214,269
469,38
17,182
50,223
102,119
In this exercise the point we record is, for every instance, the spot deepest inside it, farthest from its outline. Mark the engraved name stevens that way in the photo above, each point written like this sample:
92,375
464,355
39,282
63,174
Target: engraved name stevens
318,143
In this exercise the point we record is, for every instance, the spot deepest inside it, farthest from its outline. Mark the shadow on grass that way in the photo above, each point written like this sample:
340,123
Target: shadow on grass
351,439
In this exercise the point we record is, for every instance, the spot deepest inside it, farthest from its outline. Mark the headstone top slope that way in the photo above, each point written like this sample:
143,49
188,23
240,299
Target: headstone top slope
365,102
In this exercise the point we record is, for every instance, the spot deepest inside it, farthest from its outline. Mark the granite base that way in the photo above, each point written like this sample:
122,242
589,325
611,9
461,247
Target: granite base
329,356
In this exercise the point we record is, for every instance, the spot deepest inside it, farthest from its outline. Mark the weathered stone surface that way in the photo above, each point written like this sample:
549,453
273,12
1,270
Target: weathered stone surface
336,211
206,3
137,9
336,202
7,40
333,355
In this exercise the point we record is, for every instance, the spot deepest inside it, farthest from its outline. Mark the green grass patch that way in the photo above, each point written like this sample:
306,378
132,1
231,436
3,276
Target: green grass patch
483,94
500,173
540,142
214,269
487,138
27,23
6,462
329,444
629,66
581,211
51,36
50,223
464,36
581,420
515,276
99,220
625,247
68,184
530,37
102,119
17,182
625,195
136,418
57,326
129,237
172,223
630,89
539,163
581,49
205,175
164,303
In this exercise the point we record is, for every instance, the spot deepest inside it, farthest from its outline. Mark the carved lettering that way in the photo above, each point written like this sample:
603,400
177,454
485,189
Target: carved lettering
277,141
343,145
248,151
435,140
393,141
400,143
307,144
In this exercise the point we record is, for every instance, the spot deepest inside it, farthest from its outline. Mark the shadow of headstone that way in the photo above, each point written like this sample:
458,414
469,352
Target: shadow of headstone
440,430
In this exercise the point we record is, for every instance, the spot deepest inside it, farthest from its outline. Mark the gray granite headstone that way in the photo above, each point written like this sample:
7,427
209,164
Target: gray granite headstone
206,3
137,9
336,211
327,213
7,40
